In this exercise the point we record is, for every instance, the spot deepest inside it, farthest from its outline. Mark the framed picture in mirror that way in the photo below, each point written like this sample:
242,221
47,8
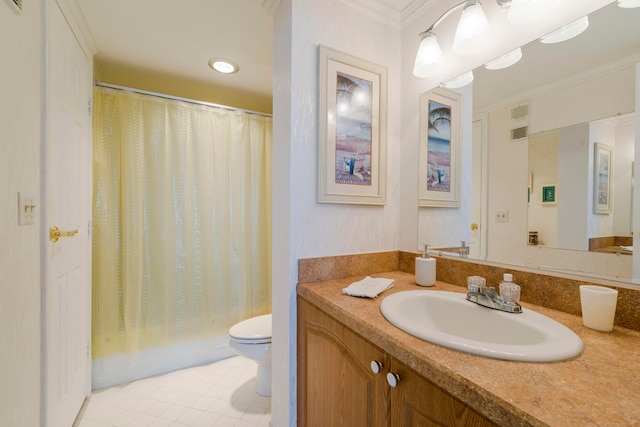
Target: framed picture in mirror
352,129
548,193
439,163
602,178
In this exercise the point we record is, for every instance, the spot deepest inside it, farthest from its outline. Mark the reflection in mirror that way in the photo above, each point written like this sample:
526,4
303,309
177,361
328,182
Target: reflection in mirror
564,87
563,191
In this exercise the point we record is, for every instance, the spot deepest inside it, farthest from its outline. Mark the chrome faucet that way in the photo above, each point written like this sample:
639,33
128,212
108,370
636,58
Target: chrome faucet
487,296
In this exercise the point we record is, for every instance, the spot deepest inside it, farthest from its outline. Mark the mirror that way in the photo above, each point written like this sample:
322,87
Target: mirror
566,207
560,86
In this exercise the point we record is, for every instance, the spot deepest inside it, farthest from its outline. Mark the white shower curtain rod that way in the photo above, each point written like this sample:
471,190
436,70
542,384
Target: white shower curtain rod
177,98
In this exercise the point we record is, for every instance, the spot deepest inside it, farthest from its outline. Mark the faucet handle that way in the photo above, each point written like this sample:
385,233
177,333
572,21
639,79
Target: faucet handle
474,283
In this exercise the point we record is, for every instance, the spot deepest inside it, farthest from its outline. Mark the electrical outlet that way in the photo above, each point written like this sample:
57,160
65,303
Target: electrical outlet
502,216
26,209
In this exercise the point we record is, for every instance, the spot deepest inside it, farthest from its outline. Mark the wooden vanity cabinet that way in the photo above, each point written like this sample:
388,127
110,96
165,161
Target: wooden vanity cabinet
337,385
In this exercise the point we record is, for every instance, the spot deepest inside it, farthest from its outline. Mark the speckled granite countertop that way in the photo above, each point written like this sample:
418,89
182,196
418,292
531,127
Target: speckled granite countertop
600,387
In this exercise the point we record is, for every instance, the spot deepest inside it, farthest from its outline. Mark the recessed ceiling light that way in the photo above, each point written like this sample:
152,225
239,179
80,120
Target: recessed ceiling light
223,65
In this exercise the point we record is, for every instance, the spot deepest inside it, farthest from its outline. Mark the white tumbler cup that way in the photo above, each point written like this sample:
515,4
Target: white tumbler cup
598,307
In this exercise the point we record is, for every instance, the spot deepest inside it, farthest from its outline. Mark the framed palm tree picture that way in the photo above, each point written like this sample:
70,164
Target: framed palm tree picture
352,127
439,164
602,179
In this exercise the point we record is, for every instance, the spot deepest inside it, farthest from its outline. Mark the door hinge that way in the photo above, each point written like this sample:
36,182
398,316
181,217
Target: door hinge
89,105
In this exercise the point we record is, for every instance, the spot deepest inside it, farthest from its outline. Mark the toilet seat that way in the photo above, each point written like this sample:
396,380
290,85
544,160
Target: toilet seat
256,330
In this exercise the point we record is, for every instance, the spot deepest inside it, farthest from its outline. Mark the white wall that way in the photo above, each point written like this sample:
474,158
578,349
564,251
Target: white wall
574,152
623,178
20,127
302,228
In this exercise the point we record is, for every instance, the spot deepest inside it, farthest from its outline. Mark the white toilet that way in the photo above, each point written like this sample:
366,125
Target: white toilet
251,338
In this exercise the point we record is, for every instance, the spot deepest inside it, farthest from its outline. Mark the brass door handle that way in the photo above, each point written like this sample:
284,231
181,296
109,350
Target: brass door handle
474,226
55,233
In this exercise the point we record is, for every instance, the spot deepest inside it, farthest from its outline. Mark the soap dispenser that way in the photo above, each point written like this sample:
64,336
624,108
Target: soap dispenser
425,269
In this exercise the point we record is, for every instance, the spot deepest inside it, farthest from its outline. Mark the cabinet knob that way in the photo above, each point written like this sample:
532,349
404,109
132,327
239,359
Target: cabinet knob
393,379
376,366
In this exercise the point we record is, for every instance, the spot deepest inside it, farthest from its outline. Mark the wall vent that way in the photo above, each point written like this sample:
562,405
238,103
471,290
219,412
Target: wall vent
520,122
17,5
519,133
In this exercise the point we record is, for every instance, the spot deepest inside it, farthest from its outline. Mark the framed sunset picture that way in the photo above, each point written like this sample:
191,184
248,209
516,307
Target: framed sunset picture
352,127
439,167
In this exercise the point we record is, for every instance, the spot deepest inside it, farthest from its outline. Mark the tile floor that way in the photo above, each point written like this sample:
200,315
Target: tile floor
221,394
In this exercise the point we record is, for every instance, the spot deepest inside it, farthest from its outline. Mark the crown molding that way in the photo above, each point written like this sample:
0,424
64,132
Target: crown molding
414,9
378,10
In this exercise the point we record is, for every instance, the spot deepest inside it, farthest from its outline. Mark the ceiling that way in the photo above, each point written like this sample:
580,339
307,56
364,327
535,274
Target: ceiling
179,37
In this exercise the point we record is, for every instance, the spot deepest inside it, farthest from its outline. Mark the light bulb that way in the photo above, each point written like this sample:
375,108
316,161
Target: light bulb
505,60
628,4
460,81
428,57
472,29
567,32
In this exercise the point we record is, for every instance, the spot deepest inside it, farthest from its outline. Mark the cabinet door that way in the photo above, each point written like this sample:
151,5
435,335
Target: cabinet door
336,385
416,401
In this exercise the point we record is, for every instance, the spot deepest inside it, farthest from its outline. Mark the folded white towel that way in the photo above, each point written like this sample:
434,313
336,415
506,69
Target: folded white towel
368,287
626,248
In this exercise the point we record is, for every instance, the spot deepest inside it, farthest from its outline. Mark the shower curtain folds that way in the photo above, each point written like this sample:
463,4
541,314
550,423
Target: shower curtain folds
181,231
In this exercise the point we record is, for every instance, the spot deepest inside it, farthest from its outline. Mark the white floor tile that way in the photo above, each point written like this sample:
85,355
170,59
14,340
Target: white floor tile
221,394
161,422
225,421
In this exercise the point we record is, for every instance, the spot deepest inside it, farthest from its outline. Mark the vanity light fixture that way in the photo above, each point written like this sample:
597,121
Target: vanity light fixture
460,81
567,32
628,4
223,65
473,24
504,61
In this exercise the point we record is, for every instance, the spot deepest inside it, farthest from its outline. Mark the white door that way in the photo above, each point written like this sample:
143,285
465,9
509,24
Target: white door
478,248
67,190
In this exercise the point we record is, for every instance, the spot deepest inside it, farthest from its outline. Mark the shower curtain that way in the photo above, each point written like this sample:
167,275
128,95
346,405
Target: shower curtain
181,231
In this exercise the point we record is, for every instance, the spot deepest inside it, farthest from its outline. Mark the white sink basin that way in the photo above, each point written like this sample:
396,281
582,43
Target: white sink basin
448,319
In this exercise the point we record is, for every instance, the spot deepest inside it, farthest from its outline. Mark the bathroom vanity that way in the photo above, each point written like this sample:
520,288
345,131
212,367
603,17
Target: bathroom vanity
343,341
345,379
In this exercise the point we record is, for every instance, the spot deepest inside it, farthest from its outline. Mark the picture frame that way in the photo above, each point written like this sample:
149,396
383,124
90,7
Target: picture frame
352,129
548,194
439,165
602,178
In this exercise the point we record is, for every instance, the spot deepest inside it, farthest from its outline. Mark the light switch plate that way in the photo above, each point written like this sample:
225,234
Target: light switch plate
26,209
